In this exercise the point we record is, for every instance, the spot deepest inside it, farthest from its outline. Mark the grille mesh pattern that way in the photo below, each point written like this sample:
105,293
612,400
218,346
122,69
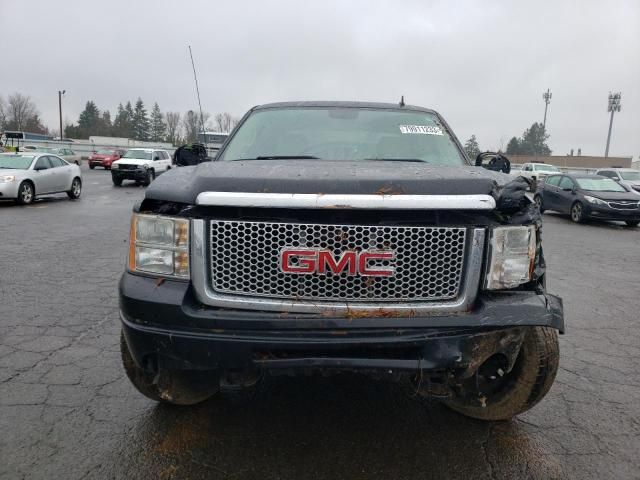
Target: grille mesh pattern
624,205
245,261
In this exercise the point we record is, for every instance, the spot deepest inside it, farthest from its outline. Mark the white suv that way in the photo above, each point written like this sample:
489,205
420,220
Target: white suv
141,165
536,171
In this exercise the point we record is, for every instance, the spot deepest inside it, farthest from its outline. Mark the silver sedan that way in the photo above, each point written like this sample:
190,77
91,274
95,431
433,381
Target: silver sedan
23,176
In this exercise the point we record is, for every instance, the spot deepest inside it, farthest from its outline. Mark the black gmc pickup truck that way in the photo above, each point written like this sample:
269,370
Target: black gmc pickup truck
339,236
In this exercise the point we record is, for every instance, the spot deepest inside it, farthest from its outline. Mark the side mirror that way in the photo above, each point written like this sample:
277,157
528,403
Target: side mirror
493,161
156,158
37,169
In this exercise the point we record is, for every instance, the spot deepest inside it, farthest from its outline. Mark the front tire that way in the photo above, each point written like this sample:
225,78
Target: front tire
26,193
577,212
520,389
92,166
151,175
177,387
632,223
116,181
76,189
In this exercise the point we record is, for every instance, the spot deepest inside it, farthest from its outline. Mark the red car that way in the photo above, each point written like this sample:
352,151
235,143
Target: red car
104,158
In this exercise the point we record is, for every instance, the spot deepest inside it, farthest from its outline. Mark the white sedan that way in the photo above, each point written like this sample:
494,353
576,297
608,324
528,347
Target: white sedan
25,175
63,152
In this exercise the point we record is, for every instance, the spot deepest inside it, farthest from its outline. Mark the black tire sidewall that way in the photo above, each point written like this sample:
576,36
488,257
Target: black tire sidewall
535,369
581,219
71,192
33,193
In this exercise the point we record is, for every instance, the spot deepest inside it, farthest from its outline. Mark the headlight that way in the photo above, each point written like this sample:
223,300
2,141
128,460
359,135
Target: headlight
595,200
511,258
159,245
115,165
7,178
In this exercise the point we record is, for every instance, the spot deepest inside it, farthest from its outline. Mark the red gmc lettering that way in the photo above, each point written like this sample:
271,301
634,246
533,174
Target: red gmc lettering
322,262
364,268
325,258
306,262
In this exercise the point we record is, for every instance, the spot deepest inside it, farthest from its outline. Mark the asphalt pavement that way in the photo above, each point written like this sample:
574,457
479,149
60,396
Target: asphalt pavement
68,411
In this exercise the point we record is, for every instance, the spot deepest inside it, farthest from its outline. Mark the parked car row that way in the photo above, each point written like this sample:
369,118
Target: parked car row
588,196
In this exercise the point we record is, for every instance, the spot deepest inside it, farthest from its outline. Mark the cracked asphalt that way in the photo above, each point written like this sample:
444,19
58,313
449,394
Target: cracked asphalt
68,411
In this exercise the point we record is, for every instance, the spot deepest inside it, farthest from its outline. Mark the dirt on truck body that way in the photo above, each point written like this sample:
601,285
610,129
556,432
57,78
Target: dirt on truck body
341,236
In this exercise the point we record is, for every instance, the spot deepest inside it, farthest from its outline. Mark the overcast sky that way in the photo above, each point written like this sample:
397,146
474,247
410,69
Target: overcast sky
482,65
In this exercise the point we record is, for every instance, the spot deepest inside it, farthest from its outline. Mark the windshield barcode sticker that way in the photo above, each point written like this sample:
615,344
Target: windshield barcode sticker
421,129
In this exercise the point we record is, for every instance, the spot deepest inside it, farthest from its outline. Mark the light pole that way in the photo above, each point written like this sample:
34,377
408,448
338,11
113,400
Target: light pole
614,106
60,93
546,96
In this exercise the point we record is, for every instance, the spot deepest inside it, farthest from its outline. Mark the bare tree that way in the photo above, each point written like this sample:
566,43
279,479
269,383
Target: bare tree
20,110
191,125
172,119
3,113
225,122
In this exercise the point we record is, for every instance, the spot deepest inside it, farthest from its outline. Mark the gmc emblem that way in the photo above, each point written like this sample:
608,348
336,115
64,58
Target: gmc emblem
308,261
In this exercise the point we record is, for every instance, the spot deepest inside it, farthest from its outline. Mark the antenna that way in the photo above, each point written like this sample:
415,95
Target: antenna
402,101
197,89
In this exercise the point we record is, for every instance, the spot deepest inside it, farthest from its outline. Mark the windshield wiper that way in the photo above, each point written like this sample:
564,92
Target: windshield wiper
282,157
415,160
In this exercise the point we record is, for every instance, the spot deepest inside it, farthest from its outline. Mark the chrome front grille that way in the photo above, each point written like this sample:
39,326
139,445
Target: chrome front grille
245,260
624,205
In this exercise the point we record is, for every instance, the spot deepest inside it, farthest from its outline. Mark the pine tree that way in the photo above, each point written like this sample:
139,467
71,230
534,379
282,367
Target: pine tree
513,147
128,116
89,120
106,128
140,122
158,127
118,122
532,142
472,148
123,121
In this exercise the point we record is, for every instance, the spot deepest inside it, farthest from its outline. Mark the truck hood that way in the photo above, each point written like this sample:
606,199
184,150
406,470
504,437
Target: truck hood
183,184
132,161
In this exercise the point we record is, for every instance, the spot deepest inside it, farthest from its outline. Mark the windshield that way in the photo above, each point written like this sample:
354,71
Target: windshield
343,134
104,152
18,162
633,176
546,168
599,185
138,154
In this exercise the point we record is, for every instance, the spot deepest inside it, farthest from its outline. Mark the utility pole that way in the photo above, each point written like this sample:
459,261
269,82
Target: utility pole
198,92
546,96
60,94
614,106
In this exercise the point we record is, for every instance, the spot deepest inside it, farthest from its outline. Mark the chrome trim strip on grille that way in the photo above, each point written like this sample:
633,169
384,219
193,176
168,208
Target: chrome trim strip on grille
318,200
206,294
622,204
